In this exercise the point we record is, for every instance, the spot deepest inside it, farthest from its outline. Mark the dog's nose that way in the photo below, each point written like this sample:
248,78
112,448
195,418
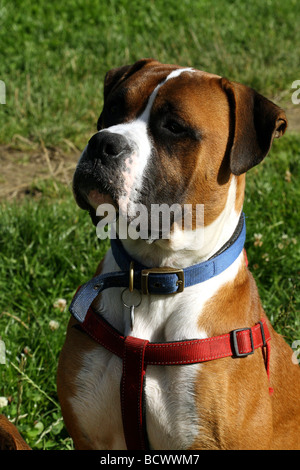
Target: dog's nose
107,146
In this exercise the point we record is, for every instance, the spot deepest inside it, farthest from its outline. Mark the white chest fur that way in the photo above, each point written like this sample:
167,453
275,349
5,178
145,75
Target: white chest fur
171,416
172,421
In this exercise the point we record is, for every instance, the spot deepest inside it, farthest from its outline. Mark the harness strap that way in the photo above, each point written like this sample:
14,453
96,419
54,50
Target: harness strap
134,369
137,353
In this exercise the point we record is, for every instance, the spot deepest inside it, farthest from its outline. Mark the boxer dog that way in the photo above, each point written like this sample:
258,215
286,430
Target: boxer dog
167,135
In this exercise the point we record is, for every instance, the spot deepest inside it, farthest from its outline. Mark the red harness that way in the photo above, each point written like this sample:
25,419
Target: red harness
137,353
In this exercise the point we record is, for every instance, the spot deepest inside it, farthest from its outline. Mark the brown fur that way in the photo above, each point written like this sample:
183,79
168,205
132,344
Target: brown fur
10,438
229,420
76,344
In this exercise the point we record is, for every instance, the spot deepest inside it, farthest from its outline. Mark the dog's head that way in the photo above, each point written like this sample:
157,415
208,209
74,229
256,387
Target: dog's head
172,135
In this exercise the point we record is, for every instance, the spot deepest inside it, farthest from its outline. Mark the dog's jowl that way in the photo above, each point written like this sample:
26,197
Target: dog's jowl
168,346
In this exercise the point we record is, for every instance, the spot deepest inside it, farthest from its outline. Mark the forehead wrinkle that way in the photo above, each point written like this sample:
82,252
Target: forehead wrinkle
144,116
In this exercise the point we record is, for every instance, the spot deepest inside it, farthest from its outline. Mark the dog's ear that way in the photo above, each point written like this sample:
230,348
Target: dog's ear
112,77
121,73
118,75
255,122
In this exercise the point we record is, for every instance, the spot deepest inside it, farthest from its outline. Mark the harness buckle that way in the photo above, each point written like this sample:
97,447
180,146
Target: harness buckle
163,270
131,277
235,343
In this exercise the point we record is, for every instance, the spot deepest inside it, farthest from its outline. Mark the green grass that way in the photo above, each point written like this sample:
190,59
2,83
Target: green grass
53,60
54,55
272,210
47,249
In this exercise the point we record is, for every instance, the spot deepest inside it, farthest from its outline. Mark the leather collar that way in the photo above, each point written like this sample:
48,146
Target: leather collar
159,281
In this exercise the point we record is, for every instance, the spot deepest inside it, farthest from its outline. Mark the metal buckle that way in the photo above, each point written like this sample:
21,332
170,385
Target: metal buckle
235,343
162,270
131,276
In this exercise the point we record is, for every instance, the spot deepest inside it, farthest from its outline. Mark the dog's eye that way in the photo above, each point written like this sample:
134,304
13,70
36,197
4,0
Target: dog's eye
174,127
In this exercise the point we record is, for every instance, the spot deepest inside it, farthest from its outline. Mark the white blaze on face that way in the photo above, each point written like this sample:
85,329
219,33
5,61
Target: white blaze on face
128,174
136,132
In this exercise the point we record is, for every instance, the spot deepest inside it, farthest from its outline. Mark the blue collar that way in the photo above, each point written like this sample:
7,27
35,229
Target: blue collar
159,281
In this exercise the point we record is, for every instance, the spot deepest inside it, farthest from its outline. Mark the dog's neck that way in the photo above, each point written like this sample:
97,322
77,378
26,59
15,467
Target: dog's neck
188,247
